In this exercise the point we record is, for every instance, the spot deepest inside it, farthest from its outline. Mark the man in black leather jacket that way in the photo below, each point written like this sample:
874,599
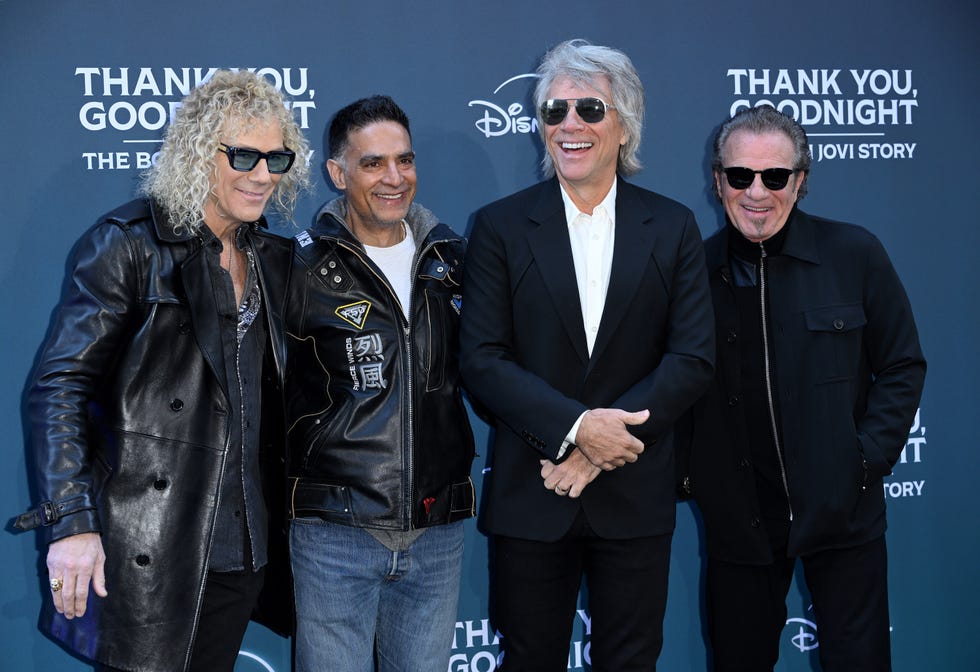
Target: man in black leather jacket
157,481
380,445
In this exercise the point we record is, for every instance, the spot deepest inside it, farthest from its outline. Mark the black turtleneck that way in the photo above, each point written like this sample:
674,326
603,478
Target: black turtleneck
749,251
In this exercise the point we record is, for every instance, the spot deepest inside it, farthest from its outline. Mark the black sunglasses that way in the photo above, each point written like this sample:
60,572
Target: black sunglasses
245,160
772,178
589,110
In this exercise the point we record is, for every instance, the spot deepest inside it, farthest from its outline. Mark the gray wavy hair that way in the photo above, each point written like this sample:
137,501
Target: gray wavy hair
230,103
586,63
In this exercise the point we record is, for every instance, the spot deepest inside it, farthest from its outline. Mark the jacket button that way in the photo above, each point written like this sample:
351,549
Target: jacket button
324,271
332,264
337,279
176,405
744,463
733,400
142,560
838,324
184,328
160,484
732,336
756,522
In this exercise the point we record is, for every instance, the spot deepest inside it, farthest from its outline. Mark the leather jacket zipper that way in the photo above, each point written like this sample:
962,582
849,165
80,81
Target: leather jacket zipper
409,375
768,370
409,363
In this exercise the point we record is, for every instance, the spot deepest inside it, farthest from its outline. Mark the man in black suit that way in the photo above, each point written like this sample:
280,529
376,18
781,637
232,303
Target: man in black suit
586,331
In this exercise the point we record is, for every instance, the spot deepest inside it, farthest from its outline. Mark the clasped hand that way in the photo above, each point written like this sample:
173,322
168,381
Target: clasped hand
602,443
604,438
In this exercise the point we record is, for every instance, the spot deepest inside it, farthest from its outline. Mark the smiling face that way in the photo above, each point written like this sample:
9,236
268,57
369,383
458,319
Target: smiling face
377,178
585,155
757,212
238,197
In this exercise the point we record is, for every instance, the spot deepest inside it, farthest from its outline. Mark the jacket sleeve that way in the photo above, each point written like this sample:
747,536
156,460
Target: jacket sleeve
523,401
892,344
89,327
687,365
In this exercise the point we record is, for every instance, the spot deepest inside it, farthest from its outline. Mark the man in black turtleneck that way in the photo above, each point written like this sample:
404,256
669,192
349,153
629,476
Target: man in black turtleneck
817,379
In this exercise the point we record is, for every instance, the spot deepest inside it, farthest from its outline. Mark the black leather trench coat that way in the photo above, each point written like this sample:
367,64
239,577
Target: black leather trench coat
130,424
849,375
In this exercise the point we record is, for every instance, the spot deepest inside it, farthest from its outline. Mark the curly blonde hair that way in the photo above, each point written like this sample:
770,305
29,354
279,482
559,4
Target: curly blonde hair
229,103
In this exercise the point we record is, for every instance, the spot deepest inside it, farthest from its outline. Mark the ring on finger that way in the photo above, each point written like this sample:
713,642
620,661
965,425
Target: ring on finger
560,490
56,584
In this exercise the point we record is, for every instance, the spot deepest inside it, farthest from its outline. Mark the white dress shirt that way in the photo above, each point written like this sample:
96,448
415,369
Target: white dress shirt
592,237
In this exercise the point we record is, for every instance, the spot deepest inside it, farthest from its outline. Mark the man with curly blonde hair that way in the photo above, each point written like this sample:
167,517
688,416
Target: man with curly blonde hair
155,438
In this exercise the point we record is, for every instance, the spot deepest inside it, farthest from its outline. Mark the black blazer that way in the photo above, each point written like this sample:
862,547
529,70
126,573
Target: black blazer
524,355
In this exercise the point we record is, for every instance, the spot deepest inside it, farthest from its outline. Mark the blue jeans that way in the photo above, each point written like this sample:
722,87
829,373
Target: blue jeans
357,602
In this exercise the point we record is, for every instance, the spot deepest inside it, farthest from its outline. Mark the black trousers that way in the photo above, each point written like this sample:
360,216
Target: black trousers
848,587
229,598
534,593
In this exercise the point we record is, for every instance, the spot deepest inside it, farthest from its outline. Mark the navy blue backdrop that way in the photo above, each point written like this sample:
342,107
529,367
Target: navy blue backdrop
886,89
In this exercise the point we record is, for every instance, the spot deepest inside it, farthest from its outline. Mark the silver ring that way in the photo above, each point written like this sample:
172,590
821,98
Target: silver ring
560,490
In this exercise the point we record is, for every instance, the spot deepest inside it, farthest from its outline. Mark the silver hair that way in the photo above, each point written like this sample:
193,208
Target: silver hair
587,63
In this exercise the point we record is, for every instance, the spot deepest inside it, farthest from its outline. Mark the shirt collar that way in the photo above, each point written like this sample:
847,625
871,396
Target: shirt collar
608,204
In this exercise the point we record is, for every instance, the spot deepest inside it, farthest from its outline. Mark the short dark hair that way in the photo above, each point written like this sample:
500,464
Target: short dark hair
765,119
356,116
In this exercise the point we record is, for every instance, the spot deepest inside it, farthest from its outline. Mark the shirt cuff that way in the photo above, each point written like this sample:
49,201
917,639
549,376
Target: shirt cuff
570,437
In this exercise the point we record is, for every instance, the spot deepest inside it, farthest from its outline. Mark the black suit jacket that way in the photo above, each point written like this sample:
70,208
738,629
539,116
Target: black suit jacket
524,355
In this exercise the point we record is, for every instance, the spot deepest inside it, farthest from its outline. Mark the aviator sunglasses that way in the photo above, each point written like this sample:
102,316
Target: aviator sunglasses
589,110
772,178
245,160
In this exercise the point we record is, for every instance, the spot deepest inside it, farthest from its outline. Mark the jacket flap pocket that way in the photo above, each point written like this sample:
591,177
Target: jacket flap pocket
836,318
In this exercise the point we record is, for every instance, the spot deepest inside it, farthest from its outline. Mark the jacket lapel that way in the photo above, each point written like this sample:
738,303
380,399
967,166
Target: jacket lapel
204,312
632,250
553,254
199,292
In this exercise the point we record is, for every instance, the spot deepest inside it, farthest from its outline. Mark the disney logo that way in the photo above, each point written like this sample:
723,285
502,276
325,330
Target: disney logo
258,661
805,637
497,121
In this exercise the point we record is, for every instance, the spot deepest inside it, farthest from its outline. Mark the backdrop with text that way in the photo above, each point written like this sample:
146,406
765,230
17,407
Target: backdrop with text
883,88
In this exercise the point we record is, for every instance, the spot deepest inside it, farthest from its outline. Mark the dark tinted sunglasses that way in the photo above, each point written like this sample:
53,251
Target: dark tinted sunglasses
772,178
245,160
589,110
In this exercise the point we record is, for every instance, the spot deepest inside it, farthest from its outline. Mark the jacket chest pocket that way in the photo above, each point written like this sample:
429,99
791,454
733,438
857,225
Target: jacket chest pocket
442,330
835,341
442,298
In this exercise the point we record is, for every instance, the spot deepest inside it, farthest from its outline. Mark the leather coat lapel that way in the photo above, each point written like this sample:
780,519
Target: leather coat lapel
204,312
553,254
198,290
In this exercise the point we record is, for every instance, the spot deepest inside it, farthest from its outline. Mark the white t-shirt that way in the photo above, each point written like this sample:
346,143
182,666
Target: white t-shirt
396,264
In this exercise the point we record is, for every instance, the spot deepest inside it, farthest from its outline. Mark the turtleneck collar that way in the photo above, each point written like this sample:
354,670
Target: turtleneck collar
748,250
